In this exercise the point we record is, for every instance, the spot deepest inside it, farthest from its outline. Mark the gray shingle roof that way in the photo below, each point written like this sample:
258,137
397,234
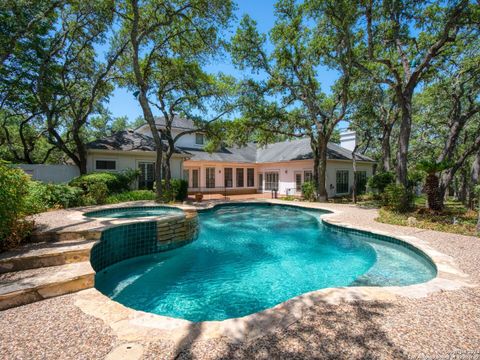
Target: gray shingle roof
178,123
245,154
126,140
299,149
282,151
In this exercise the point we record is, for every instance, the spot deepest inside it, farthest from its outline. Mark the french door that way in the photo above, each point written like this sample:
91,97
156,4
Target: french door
271,181
210,177
147,175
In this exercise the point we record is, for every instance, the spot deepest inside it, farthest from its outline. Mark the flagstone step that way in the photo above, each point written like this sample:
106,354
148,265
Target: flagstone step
37,255
27,286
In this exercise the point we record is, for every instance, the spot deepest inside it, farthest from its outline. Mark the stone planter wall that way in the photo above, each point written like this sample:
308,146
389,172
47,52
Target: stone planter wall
131,240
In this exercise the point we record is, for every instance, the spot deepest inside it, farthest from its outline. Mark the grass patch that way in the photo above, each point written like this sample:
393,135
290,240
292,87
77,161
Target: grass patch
133,195
454,219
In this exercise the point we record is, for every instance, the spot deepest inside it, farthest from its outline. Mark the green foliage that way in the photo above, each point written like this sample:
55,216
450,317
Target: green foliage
42,197
134,195
178,190
380,181
309,191
96,194
13,193
398,198
288,198
433,167
114,182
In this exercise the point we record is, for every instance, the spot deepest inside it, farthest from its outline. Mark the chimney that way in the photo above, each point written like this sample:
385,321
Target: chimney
348,140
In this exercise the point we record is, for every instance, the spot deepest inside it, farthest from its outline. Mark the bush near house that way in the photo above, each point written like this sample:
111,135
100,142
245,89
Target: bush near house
134,195
308,191
13,193
98,186
114,182
178,190
378,182
42,197
398,198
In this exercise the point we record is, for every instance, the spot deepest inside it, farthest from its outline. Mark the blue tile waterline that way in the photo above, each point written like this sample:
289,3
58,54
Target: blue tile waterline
250,257
134,212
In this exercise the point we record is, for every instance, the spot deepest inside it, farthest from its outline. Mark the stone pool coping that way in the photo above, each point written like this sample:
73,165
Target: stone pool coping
133,325
72,223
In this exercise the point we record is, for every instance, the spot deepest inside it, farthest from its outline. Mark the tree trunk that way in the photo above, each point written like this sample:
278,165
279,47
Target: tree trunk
462,187
142,97
405,102
80,150
386,150
354,165
474,179
147,112
434,193
320,161
478,222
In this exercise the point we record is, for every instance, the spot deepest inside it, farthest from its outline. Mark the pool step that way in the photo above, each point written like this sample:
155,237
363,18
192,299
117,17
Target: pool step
38,255
65,236
27,286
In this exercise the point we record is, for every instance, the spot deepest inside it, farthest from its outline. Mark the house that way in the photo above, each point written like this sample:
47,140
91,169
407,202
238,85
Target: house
282,166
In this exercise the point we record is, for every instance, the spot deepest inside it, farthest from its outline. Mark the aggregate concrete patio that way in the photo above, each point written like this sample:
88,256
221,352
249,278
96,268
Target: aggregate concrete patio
427,324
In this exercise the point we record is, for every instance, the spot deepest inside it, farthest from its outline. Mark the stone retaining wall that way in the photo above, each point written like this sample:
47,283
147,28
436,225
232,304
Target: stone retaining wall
131,240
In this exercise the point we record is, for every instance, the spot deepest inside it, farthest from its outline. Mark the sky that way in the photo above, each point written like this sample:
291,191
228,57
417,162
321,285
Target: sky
123,103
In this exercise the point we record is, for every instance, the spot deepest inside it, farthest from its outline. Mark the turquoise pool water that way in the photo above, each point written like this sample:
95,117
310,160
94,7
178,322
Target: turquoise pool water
133,212
251,257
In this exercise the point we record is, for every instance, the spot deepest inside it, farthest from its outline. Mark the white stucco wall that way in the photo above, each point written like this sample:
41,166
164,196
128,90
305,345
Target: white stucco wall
130,160
285,170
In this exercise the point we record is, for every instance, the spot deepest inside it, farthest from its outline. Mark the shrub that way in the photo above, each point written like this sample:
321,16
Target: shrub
178,190
309,191
13,192
133,195
115,182
42,197
380,181
96,194
398,198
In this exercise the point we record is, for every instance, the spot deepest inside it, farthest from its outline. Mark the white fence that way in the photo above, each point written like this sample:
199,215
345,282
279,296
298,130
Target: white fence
50,173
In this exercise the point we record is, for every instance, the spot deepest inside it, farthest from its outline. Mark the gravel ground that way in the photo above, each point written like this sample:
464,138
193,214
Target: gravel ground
444,325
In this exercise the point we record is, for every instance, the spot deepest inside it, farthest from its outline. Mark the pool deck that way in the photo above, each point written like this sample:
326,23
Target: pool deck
438,319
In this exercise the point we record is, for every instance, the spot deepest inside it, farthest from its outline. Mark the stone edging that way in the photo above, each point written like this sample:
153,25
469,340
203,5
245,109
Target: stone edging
133,325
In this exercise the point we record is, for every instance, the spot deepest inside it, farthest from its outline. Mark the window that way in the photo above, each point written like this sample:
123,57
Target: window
105,164
298,181
199,139
210,177
239,177
147,175
271,181
228,177
195,178
342,182
361,181
260,181
307,175
186,176
250,177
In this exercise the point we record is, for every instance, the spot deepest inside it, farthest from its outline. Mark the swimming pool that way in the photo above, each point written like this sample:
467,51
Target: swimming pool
250,257
134,212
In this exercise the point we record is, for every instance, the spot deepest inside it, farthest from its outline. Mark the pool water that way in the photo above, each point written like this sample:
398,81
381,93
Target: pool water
133,212
251,257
